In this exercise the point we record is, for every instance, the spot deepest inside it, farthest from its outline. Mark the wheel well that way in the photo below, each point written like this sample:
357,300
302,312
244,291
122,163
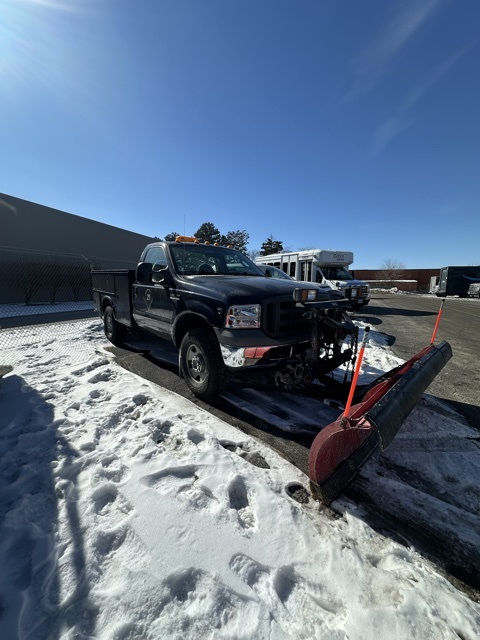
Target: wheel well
186,323
106,302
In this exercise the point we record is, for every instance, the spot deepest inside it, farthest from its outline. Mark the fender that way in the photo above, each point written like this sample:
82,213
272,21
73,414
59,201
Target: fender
197,315
107,302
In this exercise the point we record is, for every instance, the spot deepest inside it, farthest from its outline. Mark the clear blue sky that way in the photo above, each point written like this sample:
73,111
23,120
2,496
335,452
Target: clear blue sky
347,124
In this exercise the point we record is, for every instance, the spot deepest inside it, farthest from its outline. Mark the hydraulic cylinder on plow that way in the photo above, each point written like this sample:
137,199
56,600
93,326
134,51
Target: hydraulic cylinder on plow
340,449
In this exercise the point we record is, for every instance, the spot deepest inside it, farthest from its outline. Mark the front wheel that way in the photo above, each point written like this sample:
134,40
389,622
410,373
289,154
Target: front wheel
113,330
202,364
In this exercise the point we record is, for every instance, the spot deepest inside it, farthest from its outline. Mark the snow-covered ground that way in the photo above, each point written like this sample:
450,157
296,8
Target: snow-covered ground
128,512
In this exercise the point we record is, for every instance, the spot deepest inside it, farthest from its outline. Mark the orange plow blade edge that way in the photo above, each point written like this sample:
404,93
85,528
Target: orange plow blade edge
340,449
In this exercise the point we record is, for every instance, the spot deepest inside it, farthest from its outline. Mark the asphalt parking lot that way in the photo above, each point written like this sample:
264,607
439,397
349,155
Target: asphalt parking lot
409,321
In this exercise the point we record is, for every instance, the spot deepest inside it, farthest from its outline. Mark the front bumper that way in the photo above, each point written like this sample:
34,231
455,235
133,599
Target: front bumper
248,347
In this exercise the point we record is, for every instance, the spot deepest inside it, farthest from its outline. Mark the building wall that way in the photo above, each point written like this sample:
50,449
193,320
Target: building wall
46,255
421,276
34,227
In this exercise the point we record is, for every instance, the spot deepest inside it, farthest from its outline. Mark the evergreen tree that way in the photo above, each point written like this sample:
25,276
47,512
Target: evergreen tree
238,239
208,232
271,246
170,237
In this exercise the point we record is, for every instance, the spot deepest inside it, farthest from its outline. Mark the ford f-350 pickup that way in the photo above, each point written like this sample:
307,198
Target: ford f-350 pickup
222,313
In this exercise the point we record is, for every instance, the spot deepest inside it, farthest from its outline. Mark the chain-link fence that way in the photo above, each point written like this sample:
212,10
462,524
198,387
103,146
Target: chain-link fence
31,278
38,287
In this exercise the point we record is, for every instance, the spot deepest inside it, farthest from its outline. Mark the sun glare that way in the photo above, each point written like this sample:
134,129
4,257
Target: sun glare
37,45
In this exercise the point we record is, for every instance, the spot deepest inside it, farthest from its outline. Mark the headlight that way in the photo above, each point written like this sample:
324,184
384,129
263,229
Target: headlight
305,295
243,316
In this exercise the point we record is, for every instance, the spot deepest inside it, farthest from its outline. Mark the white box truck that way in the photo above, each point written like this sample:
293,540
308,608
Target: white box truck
324,267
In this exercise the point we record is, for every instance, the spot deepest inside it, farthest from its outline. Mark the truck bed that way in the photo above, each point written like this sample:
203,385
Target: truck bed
114,286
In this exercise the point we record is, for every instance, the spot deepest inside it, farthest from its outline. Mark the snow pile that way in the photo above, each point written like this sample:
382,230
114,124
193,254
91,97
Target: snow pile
129,512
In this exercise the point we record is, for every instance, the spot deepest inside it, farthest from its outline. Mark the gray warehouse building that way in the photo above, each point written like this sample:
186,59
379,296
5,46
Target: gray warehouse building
34,227
46,255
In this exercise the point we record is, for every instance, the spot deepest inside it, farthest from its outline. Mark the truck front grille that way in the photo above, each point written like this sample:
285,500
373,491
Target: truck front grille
283,318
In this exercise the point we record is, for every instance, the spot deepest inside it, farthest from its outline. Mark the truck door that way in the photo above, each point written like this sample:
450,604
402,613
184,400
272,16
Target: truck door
152,305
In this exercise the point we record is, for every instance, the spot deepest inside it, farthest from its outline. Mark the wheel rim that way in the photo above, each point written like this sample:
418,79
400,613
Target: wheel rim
196,368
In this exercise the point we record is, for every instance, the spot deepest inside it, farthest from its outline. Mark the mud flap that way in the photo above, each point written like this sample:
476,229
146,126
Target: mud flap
340,449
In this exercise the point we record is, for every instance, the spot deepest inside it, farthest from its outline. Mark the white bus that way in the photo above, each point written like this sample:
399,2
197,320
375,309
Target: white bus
324,267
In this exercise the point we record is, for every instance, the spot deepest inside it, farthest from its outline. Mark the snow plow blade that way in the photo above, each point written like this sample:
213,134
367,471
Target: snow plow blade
340,449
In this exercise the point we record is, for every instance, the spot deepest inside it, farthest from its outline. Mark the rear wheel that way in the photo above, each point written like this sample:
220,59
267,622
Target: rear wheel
114,331
202,364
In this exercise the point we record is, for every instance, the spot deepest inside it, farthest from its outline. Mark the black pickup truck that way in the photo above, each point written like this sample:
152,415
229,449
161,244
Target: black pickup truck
222,313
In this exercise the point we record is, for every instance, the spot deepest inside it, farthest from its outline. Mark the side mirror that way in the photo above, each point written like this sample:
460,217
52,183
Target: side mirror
144,273
268,273
159,271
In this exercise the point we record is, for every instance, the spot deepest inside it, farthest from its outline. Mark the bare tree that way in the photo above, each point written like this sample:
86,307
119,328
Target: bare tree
392,270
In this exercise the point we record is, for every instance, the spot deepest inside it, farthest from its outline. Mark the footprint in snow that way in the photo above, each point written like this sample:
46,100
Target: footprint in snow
111,505
298,492
140,399
195,436
290,597
253,457
112,470
100,362
97,395
104,497
194,594
121,540
183,482
239,501
102,376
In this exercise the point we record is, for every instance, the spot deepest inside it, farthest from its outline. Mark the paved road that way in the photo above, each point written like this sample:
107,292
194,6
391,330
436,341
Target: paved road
409,321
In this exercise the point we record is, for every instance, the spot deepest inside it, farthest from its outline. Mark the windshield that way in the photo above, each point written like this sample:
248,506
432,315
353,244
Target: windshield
336,273
200,259
273,272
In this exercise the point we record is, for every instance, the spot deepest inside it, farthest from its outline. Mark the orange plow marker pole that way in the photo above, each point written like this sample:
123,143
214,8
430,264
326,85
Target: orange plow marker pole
440,311
355,377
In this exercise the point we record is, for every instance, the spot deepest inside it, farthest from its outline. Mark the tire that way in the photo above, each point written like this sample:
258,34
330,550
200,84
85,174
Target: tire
114,331
358,307
202,364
